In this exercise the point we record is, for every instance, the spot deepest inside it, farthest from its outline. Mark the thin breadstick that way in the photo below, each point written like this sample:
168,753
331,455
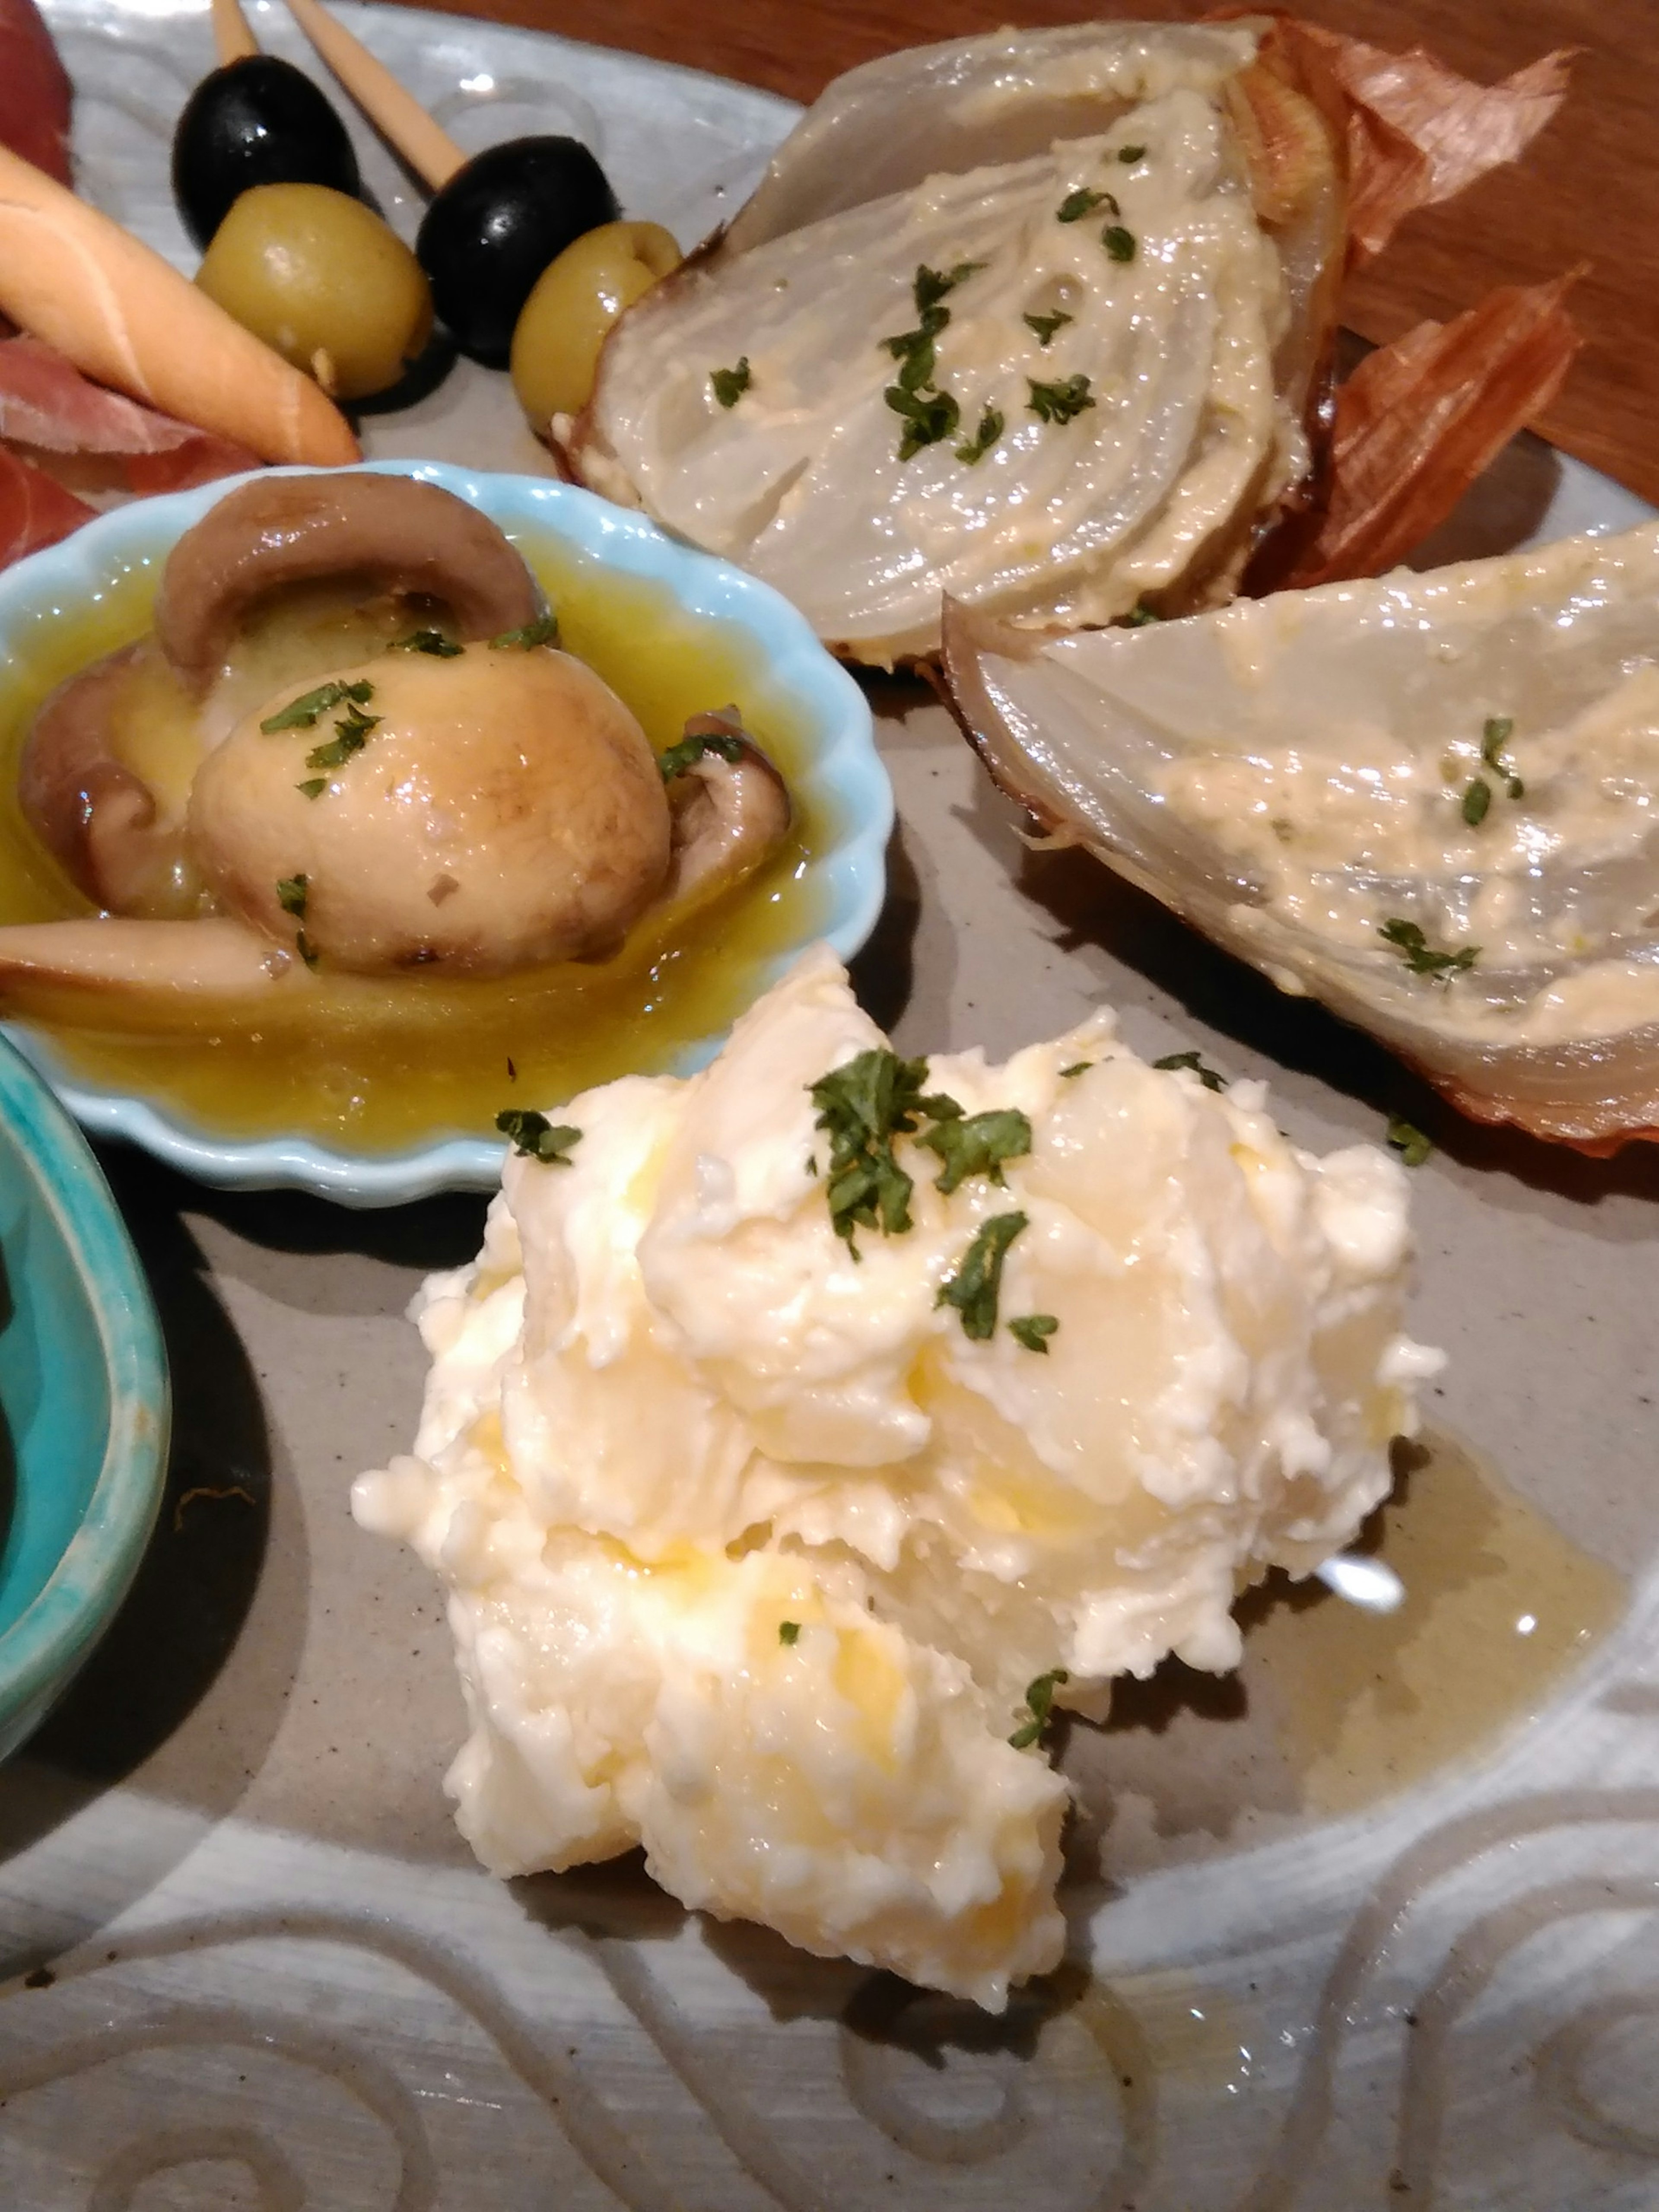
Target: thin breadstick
396,114
232,41
123,315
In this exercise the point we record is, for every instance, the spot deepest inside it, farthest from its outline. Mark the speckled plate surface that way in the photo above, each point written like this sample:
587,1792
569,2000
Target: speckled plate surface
1375,1925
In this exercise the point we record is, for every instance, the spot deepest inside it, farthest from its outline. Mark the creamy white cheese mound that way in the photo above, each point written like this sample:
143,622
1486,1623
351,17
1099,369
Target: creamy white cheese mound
754,1552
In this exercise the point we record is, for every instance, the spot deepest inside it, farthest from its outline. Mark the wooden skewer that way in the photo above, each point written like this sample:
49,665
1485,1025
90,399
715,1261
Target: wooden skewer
232,41
429,151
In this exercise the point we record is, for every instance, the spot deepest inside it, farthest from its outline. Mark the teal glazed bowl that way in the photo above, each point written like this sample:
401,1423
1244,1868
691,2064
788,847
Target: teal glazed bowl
83,1402
846,781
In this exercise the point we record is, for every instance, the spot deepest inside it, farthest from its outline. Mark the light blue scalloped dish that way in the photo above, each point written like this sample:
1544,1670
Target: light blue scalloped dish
844,783
83,1402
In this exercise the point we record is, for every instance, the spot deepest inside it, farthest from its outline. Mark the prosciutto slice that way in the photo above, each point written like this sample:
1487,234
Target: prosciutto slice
45,403
35,510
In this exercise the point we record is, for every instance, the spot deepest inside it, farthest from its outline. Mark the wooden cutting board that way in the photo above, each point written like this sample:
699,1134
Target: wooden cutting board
1588,191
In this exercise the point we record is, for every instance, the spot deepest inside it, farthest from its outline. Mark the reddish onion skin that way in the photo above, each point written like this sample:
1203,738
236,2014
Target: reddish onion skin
35,91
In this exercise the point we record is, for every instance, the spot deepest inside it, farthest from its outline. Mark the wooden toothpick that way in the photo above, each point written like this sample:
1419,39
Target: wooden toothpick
232,41
396,114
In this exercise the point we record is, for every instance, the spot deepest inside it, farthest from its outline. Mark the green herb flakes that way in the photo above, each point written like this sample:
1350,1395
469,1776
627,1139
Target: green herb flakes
1206,1076
1412,1147
301,713
1082,201
1419,956
313,787
928,418
1033,1331
1118,242
350,736
291,894
974,1288
1044,327
864,1105
991,427
1138,616
1130,154
1039,1704
977,1143
1495,735
305,948
789,1631
1476,800
544,631
729,385
1077,1067
1058,402
428,640
690,750
535,1138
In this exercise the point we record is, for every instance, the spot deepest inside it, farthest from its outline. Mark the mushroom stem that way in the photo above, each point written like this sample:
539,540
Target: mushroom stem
396,114
165,962
728,815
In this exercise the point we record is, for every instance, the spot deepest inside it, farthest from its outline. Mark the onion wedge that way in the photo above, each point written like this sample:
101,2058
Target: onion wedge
1039,320
1427,800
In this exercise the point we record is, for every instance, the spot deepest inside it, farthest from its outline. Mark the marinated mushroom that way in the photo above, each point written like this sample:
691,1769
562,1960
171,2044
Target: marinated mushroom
478,801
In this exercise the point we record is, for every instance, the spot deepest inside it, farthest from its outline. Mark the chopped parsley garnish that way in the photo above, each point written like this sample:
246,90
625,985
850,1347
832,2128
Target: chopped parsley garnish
291,894
1494,736
864,1105
729,385
1039,1704
305,948
313,787
1420,956
1058,402
789,1631
1206,1076
975,1144
928,418
1127,154
1044,327
931,285
350,736
1033,1331
1077,1067
544,631
302,712
689,751
1138,616
537,1138
428,640
1412,1147
1082,201
1118,242
974,1288
990,430
1476,799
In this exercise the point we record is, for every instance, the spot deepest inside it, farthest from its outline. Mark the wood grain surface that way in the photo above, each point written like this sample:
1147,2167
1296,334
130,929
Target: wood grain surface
1588,191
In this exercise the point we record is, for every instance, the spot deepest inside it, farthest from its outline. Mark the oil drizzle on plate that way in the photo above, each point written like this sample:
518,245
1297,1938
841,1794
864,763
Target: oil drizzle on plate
1499,1606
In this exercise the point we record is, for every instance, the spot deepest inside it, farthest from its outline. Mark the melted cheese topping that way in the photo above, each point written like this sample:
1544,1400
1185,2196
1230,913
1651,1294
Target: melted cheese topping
1072,522
670,1413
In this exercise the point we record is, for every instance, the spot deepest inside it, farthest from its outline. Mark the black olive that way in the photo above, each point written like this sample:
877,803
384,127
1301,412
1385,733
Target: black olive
257,121
496,226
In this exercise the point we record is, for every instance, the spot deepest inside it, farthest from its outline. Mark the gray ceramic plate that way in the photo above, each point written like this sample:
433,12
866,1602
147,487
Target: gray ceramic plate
1377,1924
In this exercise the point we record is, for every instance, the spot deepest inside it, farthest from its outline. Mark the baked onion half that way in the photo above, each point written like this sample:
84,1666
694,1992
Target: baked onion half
1431,802
1040,320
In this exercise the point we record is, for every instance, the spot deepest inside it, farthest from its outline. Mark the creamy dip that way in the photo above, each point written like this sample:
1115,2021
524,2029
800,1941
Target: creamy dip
756,1556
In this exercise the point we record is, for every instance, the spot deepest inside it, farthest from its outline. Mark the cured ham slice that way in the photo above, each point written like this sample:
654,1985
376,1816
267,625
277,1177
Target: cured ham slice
47,406
35,91
35,510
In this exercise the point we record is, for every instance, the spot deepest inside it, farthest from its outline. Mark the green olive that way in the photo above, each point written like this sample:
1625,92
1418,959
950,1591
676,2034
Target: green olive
567,318
323,281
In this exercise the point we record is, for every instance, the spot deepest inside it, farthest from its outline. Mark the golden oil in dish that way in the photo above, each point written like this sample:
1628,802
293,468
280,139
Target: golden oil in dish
377,1064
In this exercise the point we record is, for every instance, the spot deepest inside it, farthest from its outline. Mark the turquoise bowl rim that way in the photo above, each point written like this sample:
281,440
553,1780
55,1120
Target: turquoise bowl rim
57,1630
847,766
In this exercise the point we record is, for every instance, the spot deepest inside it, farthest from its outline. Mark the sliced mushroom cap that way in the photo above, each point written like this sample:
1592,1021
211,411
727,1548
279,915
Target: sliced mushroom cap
400,535
730,812
485,813
96,816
